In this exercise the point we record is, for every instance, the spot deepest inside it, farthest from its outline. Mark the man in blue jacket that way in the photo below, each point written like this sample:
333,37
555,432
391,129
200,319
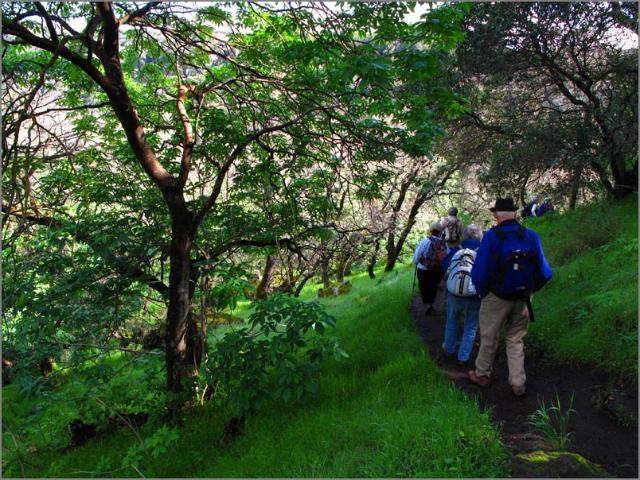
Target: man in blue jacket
509,267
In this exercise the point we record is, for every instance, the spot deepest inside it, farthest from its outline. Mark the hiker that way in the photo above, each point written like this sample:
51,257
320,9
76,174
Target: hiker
451,228
463,302
428,260
545,207
529,209
510,265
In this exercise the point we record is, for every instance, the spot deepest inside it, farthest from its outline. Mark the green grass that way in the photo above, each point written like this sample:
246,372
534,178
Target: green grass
588,313
385,411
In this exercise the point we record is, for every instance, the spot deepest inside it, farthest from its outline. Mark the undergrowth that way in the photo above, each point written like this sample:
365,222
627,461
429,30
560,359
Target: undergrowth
385,411
588,312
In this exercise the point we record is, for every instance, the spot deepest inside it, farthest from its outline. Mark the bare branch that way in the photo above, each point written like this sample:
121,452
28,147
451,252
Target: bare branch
141,12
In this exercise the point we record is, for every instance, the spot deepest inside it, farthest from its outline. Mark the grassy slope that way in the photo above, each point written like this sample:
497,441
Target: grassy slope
589,311
386,411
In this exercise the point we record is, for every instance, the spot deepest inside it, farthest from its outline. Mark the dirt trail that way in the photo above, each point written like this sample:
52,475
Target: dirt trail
597,435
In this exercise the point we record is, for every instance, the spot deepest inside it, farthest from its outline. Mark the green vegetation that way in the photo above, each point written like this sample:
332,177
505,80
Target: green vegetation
552,421
588,313
385,411
169,162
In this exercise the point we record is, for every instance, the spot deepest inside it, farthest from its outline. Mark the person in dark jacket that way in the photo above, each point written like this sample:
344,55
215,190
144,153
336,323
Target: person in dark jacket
429,276
465,308
500,304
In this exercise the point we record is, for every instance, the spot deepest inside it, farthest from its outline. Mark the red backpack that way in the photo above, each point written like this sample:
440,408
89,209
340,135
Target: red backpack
435,253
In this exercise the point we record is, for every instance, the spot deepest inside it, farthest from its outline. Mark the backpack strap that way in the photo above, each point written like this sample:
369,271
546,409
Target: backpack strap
502,235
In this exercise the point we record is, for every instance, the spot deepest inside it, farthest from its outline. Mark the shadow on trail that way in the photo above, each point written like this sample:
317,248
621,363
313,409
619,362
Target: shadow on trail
597,435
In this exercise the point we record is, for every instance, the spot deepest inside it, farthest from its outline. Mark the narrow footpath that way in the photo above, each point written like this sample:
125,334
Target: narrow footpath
604,428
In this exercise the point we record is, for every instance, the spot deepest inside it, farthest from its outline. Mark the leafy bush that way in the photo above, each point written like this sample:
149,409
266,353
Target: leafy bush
98,395
276,356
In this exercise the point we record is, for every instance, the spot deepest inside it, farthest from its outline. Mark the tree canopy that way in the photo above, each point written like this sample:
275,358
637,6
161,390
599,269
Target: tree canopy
154,141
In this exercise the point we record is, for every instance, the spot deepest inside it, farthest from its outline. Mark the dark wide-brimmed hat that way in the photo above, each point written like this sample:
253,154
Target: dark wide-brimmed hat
504,205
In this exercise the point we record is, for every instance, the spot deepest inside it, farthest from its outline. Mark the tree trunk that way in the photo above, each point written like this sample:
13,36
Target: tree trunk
264,287
575,187
204,287
180,334
392,258
301,285
523,190
324,268
373,260
392,253
343,266
625,181
348,266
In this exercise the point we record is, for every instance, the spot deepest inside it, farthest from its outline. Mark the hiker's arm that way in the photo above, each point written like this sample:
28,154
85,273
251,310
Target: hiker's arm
418,252
484,266
545,268
447,260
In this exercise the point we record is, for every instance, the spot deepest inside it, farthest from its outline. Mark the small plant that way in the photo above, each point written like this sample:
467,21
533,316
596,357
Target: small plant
150,449
553,423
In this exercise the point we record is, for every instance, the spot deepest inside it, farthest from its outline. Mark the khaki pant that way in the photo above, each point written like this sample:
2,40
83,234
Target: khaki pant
494,313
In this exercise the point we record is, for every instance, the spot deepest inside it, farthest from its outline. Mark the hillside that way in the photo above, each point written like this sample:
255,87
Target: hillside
384,411
588,313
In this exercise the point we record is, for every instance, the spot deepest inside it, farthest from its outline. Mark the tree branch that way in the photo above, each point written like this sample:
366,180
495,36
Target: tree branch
187,149
217,187
122,264
141,12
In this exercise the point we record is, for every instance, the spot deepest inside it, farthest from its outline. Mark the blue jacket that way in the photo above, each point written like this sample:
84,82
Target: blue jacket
485,266
470,243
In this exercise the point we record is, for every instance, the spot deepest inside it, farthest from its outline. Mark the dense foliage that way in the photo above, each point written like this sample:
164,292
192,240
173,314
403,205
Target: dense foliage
553,97
384,411
176,176
170,137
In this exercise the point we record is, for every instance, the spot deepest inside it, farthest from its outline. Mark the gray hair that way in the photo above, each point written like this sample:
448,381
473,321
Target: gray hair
472,232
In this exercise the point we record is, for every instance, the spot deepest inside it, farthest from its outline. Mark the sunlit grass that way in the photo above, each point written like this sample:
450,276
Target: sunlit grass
588,313
385,411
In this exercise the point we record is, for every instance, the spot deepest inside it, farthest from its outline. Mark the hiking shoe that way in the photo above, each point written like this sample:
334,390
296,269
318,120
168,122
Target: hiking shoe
519,390
481,380
464,363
